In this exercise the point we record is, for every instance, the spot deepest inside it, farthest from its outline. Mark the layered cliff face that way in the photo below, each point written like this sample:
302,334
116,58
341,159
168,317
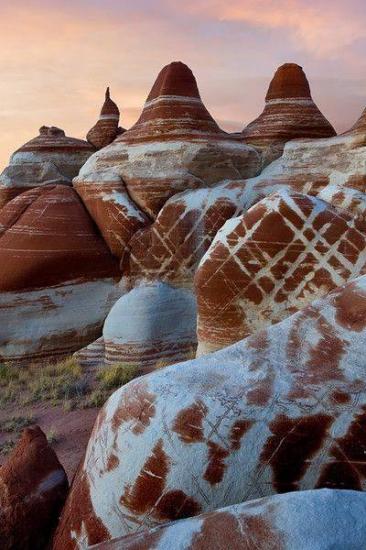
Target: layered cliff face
107,128
58,279
280,411
50,158
175,145
289,113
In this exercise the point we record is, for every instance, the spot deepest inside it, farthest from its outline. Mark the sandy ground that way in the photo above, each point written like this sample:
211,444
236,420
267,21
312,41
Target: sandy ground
71,430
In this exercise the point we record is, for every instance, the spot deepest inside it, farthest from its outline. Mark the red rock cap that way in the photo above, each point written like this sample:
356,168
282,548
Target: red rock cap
289,81
109,108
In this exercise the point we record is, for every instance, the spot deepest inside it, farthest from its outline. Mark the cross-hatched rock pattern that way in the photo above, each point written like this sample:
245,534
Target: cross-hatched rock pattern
248,421
50,158
289,113
58,279
320,519
283,253
33,489
174,146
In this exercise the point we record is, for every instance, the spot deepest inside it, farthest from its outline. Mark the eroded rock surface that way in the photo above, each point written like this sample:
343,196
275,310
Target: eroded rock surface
282,254
50,158
289,113
58,280
302,520
33,488
175,145
106,129
249,421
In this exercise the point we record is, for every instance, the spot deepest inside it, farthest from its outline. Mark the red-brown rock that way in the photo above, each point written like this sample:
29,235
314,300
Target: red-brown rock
175,145
106,129
284,252
289,113
33,488
50,158
58,279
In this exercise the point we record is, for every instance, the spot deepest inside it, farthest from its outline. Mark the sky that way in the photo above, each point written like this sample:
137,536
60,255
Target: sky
58,56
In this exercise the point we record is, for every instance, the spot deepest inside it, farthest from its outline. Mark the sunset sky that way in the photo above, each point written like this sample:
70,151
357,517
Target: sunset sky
57,57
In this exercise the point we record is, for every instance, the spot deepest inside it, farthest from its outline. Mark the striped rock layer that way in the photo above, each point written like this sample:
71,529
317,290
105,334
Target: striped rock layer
249,421
58,279
151,326
283,253
289,113
175,145
50,158
338,160
33,489
106,129
302,520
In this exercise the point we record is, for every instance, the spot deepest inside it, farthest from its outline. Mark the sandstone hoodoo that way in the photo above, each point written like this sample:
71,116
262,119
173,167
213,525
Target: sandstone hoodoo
175,145
33,488
251,420
284,252
289,113
58,280
106,129
302,520
50,158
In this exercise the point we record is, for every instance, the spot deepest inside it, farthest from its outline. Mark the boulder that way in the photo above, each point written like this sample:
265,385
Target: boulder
284,252
50,158
149,327
283,410
58,280
302,520
175,145
289,113
33,488
106,129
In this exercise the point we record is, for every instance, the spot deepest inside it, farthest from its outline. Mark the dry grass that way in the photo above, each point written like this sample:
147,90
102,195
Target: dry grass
64,383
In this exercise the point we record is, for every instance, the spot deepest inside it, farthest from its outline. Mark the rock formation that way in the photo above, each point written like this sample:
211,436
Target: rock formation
283,253
33,488
151,326
248,421
50,158
58,279
289,113
302,520
175,145
106,129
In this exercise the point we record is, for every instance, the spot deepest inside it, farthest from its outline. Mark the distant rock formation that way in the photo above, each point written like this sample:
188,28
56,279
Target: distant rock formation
58,279
303,520
106,129
286,251
175,145
283,410
50,158
149,327
289,113
33,488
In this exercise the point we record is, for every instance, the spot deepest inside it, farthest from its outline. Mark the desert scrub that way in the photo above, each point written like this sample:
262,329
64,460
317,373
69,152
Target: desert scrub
16,423
108,379
116,375
24,385
58,382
